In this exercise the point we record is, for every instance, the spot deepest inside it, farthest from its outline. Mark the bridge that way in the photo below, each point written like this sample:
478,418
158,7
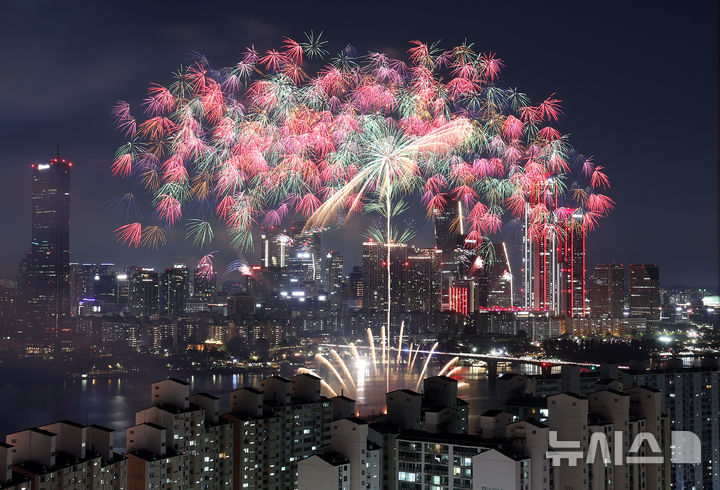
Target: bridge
490,360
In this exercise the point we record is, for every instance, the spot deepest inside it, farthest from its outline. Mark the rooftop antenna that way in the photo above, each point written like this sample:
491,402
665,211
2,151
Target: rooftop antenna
58,151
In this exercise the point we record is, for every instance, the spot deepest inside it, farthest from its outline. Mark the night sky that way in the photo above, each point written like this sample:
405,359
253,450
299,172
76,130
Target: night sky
638,84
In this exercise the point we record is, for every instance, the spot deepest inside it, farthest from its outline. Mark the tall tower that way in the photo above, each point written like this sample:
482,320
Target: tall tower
144,286
374,275
174,285
309,241
571,253
449,239
495,281
543,247
423,280
47,288
334,275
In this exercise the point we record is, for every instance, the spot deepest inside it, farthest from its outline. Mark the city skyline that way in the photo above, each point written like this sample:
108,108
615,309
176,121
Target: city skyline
640,244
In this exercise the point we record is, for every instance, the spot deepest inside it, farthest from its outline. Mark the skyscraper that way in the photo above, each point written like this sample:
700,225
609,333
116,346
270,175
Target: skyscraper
275,249
606,290
309,241
47,276
203,287
554,265
144,287
449,238
644,297
495,281
174,290
334,276
374,277
423,280
572,269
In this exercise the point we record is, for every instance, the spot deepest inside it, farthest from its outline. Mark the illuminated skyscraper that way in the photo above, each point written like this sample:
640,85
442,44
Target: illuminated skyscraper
174,290
554,266
495,281
46,281
449,238
334,275
275,249
308,242
144,287
644,297
203,287
374,277
423,280
571,252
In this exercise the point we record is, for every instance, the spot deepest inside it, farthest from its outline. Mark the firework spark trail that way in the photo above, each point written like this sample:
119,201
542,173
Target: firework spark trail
402,327
382,344
409,356
425,366
453,371
344,367
355,353
414,358
371,342
448,365
323,383
332,369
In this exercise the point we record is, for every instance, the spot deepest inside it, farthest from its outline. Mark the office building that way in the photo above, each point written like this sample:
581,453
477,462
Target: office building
174,290
333,281
554,264
449,240
423,280
144,292
374,278
494,278
45,277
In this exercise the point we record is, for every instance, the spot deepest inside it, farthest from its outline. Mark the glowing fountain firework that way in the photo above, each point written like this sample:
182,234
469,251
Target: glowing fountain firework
365,377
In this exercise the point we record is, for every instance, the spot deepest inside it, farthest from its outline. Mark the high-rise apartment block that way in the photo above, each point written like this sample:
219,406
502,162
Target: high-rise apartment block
691,399
274,427
375,275
180,441
64,455
333,280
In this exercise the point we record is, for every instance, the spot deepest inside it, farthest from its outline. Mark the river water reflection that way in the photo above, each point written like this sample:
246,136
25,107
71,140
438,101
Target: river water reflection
35,399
